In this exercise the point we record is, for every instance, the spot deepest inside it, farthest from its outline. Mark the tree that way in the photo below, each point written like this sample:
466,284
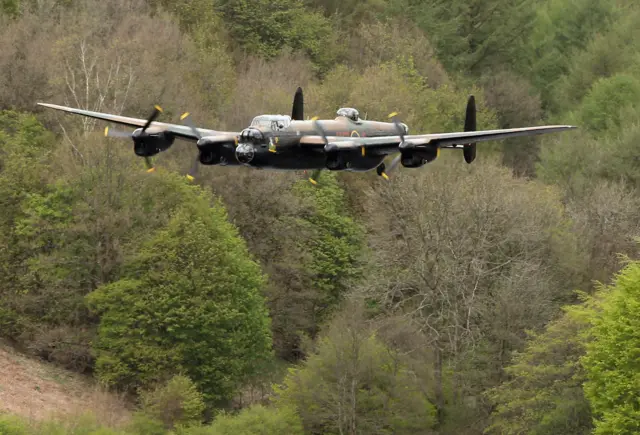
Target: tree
475,257
334,244
516,105
601,109
75,235
175,403
353,383
25,146
266,27
611,360
608,53
543,393
474,35
190,301
561,29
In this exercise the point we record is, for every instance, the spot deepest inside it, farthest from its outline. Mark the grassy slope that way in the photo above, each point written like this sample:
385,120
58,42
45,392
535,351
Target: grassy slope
36,390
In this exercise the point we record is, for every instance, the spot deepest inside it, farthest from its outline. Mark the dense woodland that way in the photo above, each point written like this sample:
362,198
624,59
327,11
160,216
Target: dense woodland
501,297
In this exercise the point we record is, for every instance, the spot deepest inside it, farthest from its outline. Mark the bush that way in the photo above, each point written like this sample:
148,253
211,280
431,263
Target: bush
178,402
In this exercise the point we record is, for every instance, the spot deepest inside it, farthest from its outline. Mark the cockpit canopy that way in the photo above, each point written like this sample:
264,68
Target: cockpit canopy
273,122
350,113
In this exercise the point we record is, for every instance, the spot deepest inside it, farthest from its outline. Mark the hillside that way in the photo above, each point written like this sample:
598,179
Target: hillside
39,391
454,298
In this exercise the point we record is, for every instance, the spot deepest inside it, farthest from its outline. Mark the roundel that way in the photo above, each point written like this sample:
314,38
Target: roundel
354,133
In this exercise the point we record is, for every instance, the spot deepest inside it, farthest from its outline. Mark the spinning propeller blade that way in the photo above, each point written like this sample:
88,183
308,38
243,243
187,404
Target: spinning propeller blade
381,169
196,163
157,110
116,133
316,125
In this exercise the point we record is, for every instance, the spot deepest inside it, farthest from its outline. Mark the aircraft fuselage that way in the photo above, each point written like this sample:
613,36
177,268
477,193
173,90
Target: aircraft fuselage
270,145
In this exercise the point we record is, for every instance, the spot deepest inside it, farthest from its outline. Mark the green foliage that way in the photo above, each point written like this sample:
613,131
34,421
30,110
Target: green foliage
354,383
266,27
177,403
142,423
484,264
544,391
24,147
580,162
256,419
335,241
473,35
10,425
602,107
10,8
169,314
611,361
610,53
562,28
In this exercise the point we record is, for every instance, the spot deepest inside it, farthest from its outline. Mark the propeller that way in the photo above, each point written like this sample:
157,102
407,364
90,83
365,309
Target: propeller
469,150
185,117
157,110
381,169
315,176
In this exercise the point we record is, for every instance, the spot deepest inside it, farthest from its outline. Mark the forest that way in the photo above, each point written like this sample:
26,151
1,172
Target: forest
501,297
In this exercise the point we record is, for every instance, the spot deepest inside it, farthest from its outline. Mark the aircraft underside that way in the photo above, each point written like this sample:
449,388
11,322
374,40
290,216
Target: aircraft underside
291,159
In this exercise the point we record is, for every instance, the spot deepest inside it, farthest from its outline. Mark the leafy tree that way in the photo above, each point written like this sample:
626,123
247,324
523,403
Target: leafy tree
25,146
473,35
609,53
76,236
334,243
176,403
562,28
353,383
544,391
611,361
266,27
602,108
516,105
484,252
188,302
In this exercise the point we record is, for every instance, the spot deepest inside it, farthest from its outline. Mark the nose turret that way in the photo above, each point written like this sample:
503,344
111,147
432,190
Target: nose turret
251,135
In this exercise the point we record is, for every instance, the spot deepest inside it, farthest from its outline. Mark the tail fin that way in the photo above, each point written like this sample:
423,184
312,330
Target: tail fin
469,150
297,111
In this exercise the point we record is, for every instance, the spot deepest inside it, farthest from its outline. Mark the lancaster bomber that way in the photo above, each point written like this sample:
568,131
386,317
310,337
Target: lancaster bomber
283,142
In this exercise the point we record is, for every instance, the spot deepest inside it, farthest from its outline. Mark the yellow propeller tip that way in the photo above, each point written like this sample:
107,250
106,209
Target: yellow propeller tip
106,131
190,178
313,181
363,151
314,118
385,176
158,108
151,170
184,115
392,114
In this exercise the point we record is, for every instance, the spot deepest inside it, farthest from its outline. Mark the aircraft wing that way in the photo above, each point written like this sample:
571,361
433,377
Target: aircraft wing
389,144
182,131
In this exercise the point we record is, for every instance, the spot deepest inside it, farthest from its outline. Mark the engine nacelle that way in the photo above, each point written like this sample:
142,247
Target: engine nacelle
149,143
414,158
350,160
215,150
